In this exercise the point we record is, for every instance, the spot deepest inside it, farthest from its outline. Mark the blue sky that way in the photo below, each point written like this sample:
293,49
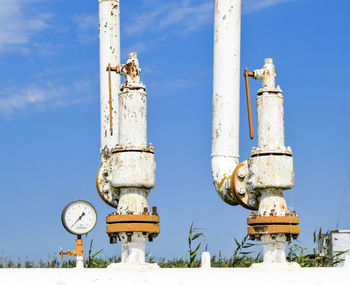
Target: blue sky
49,115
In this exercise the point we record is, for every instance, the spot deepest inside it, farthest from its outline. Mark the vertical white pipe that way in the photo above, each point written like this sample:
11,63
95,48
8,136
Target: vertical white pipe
133,200
109,22
226,93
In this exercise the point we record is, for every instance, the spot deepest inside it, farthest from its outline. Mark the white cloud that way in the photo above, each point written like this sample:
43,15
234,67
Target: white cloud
250,6
18,25
41,97
185,16
87,27
182,16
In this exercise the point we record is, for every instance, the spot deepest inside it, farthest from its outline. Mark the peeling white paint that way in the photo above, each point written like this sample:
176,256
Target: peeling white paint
226,94
109,23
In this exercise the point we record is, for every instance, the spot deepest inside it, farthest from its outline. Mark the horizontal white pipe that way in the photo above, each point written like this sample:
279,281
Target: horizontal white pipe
109,22
226,91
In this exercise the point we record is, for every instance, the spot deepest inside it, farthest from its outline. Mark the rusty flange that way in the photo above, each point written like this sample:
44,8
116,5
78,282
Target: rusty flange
147,224
108,196
246,197
133,227
267,220
291,230
273,225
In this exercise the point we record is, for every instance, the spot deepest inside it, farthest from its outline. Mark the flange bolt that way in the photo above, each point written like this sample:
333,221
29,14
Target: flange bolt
241,190
241,173
253,202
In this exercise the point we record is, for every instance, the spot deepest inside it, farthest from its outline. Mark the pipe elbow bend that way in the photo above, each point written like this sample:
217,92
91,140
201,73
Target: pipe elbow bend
222,169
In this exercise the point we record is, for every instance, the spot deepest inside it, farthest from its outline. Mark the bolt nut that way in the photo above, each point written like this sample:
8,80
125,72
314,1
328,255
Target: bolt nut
241,190
129,236
113,239
253,202
241,174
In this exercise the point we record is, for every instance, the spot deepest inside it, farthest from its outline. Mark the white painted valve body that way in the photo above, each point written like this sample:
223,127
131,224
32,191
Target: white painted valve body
133,118
271,163
226,89
132,163
127,171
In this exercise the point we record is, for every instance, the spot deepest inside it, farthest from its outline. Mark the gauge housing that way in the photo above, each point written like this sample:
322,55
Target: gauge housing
79,217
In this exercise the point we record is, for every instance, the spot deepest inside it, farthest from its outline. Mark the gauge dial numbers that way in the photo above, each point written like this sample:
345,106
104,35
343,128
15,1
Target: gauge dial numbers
79,217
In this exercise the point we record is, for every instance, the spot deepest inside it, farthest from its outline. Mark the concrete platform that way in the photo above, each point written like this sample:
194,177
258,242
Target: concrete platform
181,276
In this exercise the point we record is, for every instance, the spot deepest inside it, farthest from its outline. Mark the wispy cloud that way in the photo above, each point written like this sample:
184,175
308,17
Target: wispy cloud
180,16
87,27
18,25
250,6
41,97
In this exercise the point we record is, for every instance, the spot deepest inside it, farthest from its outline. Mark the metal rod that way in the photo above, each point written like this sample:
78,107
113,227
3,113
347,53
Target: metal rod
249,107
110,100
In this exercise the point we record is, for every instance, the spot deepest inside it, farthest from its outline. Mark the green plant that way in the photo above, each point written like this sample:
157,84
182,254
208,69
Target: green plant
92,261
297,253
241,257
193,234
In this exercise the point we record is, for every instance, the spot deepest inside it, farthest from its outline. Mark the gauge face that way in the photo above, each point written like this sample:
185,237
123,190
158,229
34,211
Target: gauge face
79,217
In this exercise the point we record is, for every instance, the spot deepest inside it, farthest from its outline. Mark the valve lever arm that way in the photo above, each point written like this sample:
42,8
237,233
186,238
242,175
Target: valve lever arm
246,75
109,69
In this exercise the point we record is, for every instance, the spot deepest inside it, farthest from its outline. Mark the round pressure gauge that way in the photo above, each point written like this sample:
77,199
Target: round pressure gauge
79,217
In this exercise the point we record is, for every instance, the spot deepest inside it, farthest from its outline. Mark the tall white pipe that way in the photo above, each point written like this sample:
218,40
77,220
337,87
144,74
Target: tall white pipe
109,22
226,94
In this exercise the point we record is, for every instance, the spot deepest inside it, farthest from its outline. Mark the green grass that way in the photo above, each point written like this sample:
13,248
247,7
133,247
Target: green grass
243,255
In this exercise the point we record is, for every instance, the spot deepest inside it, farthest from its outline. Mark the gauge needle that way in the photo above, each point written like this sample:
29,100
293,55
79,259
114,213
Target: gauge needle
82,215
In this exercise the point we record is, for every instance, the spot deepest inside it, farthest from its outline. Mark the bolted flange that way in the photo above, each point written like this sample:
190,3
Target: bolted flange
147,224
245,195
273,225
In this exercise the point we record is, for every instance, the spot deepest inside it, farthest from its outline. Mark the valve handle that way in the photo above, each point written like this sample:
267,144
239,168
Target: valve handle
249,107
61,253
109,69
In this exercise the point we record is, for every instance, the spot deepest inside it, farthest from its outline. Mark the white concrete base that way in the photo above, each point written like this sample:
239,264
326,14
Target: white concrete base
134,267
176,276
276,266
